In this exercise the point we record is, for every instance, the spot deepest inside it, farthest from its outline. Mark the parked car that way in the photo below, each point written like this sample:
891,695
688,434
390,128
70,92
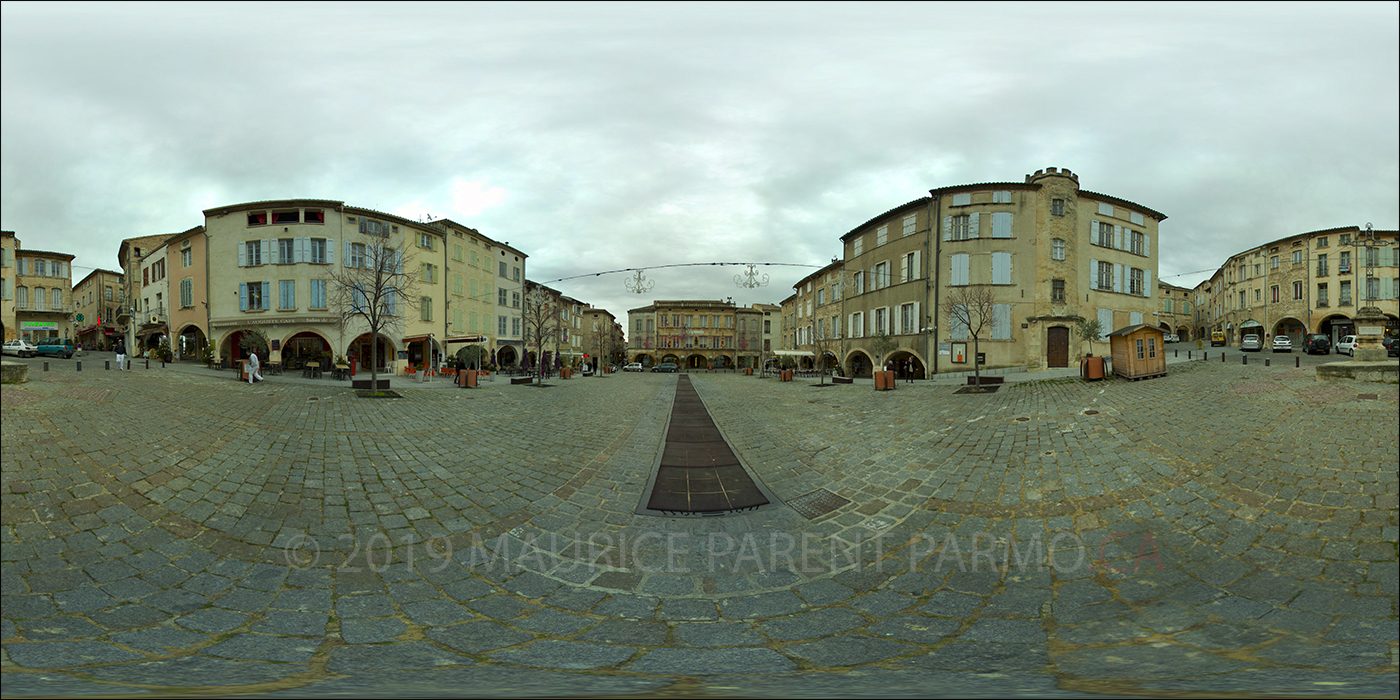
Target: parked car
58,347
1347,345
1171,338
1251,342
1283,343
1392,347
665,367
20,348
1317,343
1217,338
633,367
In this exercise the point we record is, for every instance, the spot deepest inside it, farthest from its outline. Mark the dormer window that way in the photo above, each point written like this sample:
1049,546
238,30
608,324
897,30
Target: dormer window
286,217
257,219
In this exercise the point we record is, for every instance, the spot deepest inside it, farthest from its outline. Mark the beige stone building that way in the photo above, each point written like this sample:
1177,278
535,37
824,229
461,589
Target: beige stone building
98,298
144,320
696,334
602,337
9,245
1044,252
1174,311
1302,284
43,295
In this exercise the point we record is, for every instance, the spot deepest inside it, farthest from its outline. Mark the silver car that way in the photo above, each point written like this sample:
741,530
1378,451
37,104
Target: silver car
1251,342
20,348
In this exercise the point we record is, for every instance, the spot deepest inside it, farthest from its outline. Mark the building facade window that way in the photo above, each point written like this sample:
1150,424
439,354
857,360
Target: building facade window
186,293
318,294
1135,282
1273,292
1322,294
1322,265
1344,262
909,319
1105,276
1297,290
186,258
1057,249
1057,291
881,235
286,251
857,246
287,295
1297,257
1057,207
962,226
425,309
909,225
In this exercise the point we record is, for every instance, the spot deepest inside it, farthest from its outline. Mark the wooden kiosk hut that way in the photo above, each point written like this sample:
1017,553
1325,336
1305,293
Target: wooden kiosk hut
1138,352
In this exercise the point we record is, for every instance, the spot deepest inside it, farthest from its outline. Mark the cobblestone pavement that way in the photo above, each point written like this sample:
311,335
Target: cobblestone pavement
1223,529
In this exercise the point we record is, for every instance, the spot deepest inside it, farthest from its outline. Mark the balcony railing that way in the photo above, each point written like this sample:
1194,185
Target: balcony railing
36,307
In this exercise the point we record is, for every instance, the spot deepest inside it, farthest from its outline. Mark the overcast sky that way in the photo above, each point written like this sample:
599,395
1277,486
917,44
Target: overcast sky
603,136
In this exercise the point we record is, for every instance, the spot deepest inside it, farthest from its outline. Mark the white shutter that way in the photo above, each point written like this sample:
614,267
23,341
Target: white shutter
1147,245
1001,268
1135,318
299,249
1093,274
972,225
960,269
947,228
242,296
874,279
918,320
1117,277
346,262
274,252
266,244
851,326
917,262
1147,283
1094,231
1001,322
1001,224
1106,322
242,255
1117,237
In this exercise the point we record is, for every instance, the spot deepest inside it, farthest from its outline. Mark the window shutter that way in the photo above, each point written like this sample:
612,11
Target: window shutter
242,296
917,261
346,262
299,248
1093,274
242,254
947,228
1147,283
851,326
1001,322
266,296
1117,277
330,250
1001,224
1001,268
1146,245
274,252
972,225
263,252
1094,231
398,262
1105,322
1117,237
918,320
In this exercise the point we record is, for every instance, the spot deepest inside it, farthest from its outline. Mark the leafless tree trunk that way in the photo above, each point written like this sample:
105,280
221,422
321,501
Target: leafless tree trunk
375,289
972,308
541,313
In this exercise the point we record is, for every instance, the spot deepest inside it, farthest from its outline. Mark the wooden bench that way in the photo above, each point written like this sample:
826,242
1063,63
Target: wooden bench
521,380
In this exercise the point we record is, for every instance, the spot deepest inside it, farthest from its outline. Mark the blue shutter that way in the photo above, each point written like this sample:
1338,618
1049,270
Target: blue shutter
1001,224
1093,274
1117,277
1117,237
1001,268
266,296
242,255
242,296
1146,245
1147,283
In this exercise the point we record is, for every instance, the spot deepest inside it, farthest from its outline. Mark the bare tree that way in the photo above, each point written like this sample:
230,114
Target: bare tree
1090,330
972,309
541,314
826,341
373,289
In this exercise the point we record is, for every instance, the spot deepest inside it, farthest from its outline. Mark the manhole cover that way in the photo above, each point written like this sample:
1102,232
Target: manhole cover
817,503
1367,396
1022,419
1091,413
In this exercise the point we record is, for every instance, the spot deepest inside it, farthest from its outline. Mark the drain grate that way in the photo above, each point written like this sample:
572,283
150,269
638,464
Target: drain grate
817,503
1367,396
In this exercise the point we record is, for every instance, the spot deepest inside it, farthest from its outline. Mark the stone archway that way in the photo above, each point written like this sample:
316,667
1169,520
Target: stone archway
907,365
859,364
645,359
507,356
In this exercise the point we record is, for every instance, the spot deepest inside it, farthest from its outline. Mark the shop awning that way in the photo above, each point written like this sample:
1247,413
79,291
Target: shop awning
416,338
466,339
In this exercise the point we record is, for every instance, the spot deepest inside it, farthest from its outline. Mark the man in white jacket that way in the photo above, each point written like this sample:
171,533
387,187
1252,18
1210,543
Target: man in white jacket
253,366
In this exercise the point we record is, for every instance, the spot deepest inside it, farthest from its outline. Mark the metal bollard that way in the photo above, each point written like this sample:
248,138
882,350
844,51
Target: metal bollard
1244,359
1297,362
1266,361
148,363
1222,356
46,366
107,364
1188,354
80,366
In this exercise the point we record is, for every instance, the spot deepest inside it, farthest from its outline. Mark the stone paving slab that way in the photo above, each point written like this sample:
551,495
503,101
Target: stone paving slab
1224,539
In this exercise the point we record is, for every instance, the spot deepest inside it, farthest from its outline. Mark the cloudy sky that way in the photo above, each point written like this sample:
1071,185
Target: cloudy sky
603,136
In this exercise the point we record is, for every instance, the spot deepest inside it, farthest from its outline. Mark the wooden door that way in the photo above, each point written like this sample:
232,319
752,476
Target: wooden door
1057,352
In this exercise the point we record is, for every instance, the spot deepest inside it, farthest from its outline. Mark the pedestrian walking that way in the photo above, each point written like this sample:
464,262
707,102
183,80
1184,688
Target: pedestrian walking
253,368
120,349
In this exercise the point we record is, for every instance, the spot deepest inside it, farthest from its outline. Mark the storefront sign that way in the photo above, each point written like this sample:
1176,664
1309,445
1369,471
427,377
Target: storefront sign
38,325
